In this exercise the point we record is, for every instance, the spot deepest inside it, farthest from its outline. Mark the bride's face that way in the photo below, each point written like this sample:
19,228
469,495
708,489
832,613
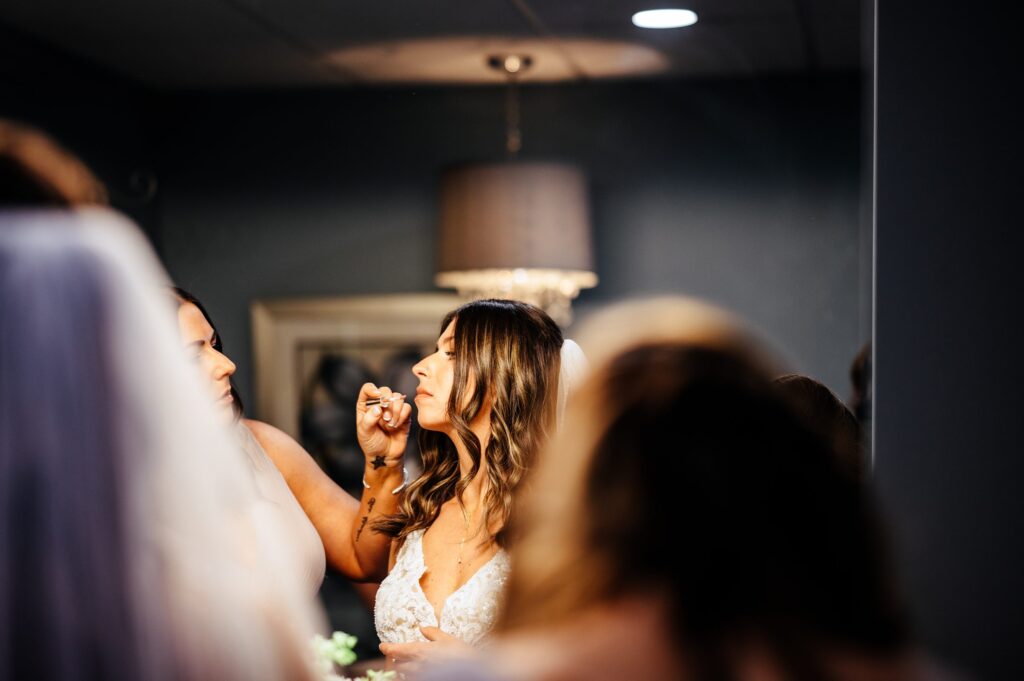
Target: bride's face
199,339
437,375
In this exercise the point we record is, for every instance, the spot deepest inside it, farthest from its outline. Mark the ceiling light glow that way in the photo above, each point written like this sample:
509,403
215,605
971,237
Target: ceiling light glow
664,18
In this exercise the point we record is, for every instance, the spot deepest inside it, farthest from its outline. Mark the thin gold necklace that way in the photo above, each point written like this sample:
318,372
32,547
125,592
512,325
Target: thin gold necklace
467,518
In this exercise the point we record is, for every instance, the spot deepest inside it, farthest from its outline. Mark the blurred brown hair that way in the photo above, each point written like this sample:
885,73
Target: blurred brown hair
36,171
682,473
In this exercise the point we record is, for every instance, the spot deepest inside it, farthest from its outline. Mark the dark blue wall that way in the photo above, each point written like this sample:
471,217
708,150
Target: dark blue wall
744,192
94,114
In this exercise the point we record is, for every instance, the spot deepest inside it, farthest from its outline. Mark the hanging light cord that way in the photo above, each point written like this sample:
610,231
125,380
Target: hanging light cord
513,135
512,65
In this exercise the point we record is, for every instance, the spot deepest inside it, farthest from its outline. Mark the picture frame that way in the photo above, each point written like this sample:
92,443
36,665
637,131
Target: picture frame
289,333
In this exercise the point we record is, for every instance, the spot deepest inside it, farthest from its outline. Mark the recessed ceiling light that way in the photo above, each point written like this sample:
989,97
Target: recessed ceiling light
664,18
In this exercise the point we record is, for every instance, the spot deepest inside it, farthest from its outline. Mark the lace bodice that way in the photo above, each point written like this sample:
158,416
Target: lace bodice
467,614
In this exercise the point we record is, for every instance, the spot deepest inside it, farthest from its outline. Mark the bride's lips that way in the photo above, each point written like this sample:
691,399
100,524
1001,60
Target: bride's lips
226,397
420,392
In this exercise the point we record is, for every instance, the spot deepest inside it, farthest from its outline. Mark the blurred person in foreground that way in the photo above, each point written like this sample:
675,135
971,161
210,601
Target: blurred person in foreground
685,524
133,543
36,172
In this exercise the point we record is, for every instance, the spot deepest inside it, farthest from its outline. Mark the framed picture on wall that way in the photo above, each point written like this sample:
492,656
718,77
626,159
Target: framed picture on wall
313,354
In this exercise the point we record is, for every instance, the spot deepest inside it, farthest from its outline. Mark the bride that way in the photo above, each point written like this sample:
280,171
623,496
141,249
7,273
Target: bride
486,402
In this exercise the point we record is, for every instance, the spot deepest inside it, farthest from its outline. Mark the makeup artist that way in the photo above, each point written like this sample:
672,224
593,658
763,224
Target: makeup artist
340,520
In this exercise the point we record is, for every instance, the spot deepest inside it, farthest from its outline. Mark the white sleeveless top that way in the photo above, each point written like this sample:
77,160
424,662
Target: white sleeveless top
468,613
273,491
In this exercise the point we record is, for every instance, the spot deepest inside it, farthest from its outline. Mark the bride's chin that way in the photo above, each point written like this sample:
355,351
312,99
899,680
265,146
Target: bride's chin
428,424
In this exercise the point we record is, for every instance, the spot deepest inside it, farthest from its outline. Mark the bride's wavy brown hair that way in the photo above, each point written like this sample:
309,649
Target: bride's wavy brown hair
510,353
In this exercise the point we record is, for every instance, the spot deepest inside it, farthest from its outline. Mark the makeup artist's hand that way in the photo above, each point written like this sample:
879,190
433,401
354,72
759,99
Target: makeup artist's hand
382,429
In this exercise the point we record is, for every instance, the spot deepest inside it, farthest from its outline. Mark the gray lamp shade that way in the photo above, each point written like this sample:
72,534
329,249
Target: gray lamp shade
514,215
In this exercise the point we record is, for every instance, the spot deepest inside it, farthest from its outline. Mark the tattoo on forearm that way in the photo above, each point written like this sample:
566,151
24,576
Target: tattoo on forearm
369,509
378,462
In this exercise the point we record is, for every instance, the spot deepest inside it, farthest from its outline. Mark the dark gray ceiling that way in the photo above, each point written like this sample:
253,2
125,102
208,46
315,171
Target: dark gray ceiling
173,44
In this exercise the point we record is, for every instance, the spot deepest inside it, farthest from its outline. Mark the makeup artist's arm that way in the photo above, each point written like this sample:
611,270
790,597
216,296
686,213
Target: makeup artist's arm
342,522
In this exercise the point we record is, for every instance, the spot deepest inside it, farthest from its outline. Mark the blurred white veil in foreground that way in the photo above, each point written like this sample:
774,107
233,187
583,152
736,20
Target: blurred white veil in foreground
133,543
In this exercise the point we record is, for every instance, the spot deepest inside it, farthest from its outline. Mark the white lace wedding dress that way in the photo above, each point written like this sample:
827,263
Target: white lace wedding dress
467,614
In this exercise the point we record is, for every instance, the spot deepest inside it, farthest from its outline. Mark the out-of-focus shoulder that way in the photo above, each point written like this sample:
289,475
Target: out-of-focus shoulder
270,437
